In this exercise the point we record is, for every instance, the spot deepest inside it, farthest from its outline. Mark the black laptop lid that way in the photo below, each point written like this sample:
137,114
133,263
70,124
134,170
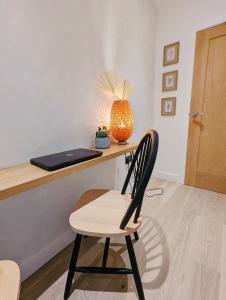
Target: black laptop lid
64,159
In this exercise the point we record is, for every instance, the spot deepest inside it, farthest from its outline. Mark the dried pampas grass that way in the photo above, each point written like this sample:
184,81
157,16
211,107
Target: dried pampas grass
111,82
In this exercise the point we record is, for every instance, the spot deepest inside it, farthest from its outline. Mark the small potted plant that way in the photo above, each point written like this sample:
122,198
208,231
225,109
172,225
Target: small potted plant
102,140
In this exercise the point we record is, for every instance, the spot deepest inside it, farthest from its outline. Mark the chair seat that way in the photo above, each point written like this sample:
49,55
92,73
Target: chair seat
102,217
88,197
9,280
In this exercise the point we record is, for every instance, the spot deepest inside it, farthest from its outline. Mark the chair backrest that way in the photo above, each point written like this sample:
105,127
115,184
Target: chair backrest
141,169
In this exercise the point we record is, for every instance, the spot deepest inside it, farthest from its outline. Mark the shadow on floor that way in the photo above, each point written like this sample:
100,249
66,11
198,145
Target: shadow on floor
152,253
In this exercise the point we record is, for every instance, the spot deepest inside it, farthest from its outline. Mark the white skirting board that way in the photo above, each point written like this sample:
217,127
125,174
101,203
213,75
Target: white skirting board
167,176
32,264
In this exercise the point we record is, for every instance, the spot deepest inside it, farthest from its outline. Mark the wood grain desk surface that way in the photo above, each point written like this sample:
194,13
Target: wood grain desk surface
23,177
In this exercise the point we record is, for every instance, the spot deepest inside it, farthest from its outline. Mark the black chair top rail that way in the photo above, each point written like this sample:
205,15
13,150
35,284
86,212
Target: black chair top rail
141,168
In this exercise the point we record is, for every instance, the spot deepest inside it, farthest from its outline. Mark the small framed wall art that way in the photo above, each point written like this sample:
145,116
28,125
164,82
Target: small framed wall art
169,81
168,107
171,54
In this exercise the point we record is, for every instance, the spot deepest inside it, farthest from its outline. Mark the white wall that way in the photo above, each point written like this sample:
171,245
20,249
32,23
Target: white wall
50,54
179,20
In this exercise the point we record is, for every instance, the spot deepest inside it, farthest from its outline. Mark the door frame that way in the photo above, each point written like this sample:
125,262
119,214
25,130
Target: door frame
197,94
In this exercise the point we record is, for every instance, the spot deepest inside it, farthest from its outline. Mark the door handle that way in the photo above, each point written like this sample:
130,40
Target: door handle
197,114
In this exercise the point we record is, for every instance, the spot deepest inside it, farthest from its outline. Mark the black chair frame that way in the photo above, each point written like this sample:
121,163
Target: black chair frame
141,168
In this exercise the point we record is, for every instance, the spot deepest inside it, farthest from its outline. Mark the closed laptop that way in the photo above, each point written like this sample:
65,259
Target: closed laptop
64,159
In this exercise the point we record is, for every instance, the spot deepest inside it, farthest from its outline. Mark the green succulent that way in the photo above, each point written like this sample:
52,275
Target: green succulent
102,132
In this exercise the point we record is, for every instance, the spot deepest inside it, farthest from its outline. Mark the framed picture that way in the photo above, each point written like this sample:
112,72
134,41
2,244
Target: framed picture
169,81
168,106
171,54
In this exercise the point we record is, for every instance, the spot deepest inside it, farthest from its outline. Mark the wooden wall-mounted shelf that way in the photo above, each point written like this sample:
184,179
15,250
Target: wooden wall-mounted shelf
23,177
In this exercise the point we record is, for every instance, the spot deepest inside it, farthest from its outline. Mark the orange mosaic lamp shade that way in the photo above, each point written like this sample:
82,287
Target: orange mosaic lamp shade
121,121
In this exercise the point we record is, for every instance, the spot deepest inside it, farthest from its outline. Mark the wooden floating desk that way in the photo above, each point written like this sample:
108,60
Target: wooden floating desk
23,177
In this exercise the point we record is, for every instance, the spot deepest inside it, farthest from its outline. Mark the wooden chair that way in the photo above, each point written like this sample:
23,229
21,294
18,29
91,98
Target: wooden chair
9,280
110,213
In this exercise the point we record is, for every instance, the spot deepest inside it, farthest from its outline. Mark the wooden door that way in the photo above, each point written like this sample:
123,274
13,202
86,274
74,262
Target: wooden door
206,155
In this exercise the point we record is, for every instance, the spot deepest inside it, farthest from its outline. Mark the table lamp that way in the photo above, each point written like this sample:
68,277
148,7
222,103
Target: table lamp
121,121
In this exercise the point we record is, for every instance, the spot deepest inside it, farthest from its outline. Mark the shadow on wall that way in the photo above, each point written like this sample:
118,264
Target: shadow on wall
41,217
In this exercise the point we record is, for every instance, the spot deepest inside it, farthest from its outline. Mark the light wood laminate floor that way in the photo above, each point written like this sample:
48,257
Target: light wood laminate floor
181,253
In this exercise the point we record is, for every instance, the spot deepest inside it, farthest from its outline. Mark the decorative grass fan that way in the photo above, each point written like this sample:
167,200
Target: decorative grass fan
123,89
111,82
108,81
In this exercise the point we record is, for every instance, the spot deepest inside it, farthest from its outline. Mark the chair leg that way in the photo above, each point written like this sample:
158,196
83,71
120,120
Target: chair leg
134,266
106,248
136,236
74,258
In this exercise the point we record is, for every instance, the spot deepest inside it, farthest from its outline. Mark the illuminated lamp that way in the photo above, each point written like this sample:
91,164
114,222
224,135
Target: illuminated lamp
121,121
